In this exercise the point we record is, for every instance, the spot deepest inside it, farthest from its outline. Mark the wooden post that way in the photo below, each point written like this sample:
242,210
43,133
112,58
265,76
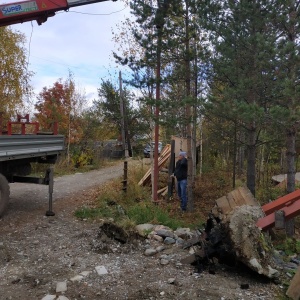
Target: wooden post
294,290
124,181
290,227
124,144
50,181
280,219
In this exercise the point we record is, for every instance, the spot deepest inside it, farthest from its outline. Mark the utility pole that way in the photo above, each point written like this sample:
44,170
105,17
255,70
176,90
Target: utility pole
124,135
124,143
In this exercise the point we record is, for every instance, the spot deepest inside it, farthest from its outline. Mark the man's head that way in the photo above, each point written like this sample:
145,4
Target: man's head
181,154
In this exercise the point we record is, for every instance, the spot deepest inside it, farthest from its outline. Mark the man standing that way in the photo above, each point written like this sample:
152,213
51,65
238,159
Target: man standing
181,176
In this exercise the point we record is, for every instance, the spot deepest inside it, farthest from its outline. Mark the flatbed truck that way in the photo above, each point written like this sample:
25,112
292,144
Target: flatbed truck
19,147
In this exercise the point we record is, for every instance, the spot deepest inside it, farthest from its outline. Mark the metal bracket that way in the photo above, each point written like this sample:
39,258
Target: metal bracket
47,180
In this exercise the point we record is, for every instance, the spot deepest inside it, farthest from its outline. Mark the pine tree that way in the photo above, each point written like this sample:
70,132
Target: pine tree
286,110
242,67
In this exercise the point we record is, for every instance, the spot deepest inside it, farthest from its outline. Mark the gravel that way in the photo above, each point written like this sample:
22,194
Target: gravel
61,257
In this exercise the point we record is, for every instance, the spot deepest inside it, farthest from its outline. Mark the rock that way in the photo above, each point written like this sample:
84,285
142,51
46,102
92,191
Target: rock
49,297
250,245
165,233
85,273
255,265
180,242
150,252
164,261
143,229
62,297
157,237
101,270
160,248
76,278
189,259
172,280
61,287
183,233
169,241
273,273
295,261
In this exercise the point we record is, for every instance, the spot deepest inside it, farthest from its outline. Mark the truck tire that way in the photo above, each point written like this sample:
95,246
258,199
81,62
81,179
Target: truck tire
4,194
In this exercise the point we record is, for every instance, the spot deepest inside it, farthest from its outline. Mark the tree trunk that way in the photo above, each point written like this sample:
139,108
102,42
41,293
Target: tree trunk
251,152
290,159
234,156
290,162
190,177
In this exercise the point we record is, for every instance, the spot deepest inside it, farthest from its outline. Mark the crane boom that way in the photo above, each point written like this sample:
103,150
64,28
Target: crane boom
39,10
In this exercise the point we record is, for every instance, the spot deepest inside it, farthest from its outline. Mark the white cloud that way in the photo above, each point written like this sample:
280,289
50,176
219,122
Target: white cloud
80,42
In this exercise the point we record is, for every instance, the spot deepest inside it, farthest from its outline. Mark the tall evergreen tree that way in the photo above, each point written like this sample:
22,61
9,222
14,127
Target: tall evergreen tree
286,109
108,105
243,42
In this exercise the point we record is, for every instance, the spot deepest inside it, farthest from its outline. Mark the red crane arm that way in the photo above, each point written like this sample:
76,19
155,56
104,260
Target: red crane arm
39,10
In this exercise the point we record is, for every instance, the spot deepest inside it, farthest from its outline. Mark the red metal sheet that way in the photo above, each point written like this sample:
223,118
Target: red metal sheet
281,202
268,222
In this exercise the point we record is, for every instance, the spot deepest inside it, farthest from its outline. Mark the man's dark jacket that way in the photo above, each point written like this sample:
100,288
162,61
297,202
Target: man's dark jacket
181,169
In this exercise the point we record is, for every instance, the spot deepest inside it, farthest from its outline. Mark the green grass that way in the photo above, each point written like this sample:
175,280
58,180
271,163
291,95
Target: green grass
289,245
139,213
135,206
148,212
128,208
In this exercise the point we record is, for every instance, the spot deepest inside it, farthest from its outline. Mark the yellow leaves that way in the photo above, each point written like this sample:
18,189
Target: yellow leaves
14,76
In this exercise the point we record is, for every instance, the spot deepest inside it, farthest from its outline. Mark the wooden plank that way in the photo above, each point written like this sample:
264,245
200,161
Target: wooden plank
161,161
147,174
294,288
247,196
165,151
165,192
223,205
162,190
238,197
231,201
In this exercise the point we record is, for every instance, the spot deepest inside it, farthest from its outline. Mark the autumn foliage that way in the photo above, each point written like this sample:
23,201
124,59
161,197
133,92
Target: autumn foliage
60,104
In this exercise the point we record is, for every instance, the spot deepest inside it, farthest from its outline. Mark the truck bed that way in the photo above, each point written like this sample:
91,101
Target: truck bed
26,146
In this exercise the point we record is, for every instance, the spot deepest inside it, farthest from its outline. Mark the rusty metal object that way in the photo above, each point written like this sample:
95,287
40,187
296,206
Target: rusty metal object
290,211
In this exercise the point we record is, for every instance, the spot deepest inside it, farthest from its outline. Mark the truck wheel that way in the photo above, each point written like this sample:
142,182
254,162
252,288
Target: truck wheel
4,194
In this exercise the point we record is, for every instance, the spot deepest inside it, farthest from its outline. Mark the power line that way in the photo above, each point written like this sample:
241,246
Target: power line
91,14
55,62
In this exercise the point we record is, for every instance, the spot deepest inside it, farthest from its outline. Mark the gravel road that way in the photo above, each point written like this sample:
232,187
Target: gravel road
63,258
28,197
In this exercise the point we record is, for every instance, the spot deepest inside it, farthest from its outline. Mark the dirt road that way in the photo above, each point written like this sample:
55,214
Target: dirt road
28,197
64,258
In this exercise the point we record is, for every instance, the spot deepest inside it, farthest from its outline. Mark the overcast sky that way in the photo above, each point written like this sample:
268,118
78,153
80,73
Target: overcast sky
80,42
